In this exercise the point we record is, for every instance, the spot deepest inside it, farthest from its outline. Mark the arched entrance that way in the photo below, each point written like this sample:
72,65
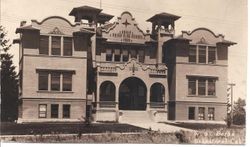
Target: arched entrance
132,94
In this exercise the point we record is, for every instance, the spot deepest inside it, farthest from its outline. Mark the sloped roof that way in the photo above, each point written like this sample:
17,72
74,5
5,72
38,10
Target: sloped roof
227,42
103,17
84,8
163,16
28,28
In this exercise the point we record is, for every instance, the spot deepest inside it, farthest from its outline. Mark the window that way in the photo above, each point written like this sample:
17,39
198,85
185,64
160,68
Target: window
54,110
191,113
44,45
67,82
109,55
201,86
117,55
210,113
66,111
107,91
211,55
124,55
43,81
202,54
42,111
141,56
67,46
55,81
191,86
201,115
192,54
56,45
211,87
205,54
157,93
133,54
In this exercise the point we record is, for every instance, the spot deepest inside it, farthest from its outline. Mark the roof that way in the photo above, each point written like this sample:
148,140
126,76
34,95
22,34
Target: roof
84,31
84,9
181,38
103,17
27,28
227,42
163,16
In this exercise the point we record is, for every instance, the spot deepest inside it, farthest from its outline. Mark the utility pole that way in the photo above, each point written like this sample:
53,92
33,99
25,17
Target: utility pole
230,106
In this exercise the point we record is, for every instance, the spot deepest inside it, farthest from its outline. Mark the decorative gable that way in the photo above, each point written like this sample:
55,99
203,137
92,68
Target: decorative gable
56,31
124,30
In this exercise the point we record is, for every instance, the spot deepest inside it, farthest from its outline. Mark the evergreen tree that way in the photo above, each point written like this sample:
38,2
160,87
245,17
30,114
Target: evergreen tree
9,82
239,112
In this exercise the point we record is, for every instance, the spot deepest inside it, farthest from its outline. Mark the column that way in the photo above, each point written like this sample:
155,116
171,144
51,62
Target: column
61,82
50,44
49,82
117,102
148,98
61,46
97,90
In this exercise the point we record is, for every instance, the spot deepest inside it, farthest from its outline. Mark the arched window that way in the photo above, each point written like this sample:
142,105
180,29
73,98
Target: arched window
107,91
157,93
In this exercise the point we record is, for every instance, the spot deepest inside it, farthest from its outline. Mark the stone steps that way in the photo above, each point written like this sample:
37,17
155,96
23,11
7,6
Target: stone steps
134,116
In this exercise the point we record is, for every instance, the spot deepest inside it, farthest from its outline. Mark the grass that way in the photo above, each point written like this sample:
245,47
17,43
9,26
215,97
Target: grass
111,133
65,128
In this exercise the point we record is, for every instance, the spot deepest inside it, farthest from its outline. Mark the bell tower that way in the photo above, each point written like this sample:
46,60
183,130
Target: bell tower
163,29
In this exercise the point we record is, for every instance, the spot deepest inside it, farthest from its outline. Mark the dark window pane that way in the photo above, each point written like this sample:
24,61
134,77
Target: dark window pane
202,86
201,114
211,55
211,87
133,54
107,91
124,55
44,45
117,55
55,81
191,86
108,55
191,113
192,54
67,46
54,110
67,82
210,113
141,56
42,111
43,81
66,111
157,93
56,46
202,54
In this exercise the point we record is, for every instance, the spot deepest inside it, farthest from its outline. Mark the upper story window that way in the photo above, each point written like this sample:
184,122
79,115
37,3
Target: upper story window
67,46
55,81
117,55
202,54
43,81
201,86
44,45
56,45
60,45
141,56
125,55
109,55
133,54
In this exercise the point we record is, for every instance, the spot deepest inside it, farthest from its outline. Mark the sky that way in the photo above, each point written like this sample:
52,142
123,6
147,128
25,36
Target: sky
227,17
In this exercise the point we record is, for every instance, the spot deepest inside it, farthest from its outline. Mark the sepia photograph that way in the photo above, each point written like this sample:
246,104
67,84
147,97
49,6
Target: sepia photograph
123,71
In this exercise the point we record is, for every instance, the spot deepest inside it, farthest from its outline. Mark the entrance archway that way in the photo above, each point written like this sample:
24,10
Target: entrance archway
132,94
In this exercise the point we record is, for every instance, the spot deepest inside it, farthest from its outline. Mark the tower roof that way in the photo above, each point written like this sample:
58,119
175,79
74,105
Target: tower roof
163,16
103,17
84,9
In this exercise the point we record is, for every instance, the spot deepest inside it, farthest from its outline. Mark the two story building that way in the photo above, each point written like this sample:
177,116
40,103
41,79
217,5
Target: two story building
98,69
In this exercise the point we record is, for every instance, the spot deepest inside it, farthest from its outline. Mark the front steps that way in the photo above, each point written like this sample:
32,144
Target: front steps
130,116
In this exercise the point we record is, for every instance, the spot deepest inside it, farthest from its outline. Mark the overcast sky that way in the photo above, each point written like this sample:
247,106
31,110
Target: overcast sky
227,17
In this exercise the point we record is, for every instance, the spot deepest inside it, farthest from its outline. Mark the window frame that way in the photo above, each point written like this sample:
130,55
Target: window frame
45,112
51,111
189,118
63,81
211,116
43,80
201,116
66,116
55,46
70,43
41,39
58,76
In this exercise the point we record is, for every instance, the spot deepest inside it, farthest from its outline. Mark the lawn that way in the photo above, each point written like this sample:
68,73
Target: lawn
122,133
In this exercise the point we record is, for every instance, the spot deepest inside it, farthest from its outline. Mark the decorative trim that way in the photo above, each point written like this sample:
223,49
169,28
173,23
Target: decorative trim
51,17
201,64
56,31
206,29
203,76
39,99
56,70
51,56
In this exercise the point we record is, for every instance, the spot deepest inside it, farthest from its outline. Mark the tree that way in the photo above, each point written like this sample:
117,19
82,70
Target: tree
239,112
9,82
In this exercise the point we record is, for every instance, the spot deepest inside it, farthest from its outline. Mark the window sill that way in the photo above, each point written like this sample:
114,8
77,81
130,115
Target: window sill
46,91
202,96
